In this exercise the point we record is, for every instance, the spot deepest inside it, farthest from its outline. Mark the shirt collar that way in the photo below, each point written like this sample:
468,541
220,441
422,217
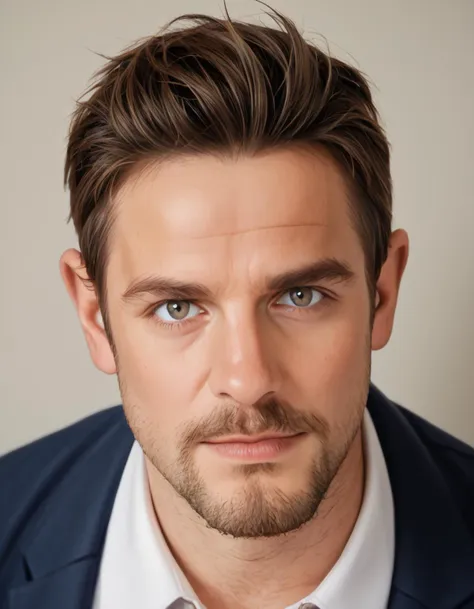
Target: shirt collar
136,551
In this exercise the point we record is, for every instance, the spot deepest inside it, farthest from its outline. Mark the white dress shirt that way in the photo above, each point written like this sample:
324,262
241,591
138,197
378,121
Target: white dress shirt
138,571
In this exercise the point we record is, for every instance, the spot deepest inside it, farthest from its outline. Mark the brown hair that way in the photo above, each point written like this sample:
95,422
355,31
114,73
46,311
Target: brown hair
221,86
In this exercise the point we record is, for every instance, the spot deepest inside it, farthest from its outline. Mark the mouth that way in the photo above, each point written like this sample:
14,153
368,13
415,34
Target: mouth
244,439
254,449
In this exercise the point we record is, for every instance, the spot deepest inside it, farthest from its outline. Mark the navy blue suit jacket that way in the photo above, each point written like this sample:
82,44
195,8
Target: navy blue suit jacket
56,496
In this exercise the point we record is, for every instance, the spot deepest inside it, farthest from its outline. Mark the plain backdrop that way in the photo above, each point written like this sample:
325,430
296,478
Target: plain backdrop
419,55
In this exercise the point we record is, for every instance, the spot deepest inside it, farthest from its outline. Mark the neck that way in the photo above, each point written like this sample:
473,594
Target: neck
240,573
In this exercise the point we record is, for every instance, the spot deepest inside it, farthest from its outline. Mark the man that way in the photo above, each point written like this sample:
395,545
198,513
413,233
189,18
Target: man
230,187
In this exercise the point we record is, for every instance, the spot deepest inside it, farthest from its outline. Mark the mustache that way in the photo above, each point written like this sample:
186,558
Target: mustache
272,415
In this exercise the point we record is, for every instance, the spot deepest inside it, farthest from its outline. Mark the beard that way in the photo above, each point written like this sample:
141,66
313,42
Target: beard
258,509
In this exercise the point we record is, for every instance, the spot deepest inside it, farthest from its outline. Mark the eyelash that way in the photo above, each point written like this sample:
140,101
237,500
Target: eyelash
179,325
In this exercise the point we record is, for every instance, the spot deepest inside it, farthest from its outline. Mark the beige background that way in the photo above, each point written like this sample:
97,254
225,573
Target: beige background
419,54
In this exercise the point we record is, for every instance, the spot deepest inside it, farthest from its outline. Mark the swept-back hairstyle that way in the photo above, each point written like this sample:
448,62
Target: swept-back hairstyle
221,86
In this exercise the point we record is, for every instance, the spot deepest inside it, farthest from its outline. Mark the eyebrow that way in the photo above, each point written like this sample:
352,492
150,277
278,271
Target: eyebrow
328,269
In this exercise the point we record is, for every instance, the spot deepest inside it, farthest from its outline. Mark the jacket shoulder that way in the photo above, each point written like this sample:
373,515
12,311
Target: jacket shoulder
35,455
453,458
438,440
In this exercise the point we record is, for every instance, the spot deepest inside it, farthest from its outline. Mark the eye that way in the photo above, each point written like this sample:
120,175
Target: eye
174,311
301,297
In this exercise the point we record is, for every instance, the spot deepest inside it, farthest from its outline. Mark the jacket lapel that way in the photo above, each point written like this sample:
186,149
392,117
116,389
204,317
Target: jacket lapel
72,587
62,556
434,557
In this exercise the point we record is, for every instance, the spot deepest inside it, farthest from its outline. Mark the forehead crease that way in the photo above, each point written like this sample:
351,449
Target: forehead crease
256,229
182,248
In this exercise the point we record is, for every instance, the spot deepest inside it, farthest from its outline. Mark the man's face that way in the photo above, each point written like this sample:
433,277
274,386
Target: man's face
227,330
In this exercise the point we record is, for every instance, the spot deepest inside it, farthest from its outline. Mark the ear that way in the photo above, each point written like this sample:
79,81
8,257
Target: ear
388,287
84,297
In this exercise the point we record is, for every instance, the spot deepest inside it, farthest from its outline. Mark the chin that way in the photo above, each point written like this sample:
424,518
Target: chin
256,505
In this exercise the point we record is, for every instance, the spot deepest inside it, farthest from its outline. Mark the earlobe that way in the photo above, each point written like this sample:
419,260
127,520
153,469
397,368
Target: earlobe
83,294
388,287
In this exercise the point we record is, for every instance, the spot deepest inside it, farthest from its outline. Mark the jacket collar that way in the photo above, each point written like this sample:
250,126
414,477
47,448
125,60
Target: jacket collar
434,558
434,562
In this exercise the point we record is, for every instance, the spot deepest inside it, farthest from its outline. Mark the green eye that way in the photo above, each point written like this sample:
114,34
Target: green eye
176,311
301,297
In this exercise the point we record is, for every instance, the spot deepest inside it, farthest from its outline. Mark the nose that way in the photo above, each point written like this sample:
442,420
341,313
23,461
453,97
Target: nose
243,364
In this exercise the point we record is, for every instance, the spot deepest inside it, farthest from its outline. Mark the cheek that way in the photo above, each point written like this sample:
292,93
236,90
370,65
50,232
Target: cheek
334,355
155,378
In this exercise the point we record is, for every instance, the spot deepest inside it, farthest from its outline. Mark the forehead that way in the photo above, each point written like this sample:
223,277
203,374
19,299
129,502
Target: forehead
201,214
